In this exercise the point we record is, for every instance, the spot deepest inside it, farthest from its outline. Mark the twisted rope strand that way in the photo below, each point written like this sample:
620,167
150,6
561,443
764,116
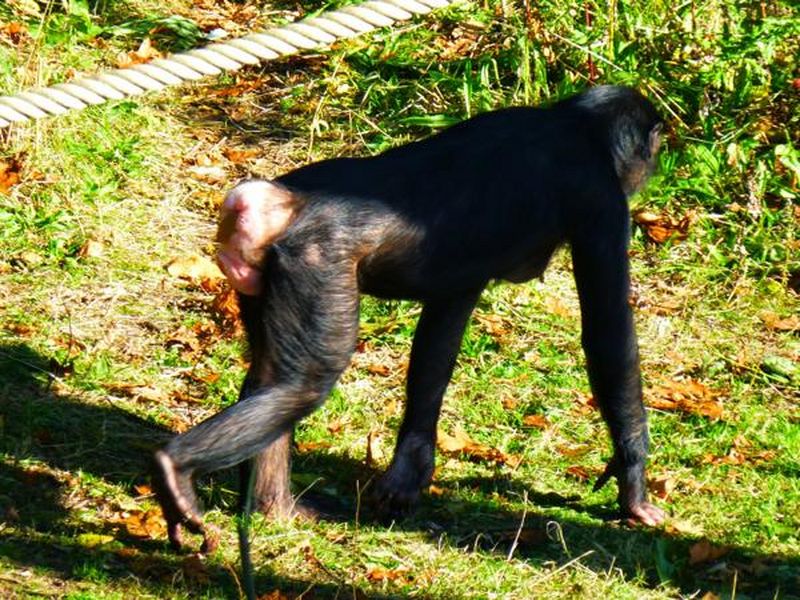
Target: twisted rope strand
116,84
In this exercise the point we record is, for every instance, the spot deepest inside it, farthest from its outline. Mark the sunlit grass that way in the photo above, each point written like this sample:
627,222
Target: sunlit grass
103,354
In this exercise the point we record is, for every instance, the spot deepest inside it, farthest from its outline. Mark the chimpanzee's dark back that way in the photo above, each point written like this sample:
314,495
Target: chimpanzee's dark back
492,196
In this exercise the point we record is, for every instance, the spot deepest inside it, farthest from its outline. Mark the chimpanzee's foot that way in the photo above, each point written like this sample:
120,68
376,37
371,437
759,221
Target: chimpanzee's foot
398,490
281,505
286,507
175,494
644,513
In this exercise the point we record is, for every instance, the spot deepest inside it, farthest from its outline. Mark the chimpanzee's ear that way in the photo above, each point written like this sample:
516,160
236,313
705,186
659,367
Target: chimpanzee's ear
654,139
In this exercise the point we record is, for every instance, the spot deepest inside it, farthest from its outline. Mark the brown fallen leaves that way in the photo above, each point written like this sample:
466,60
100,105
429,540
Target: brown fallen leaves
399,574
10,173
496,326
195,268
741,452
661,487
660,228
579,472
203,272
143,54
240,86
14,31
225,305
142,524
277,595
91,249
776,323
704,551
537,421
460,444
691,397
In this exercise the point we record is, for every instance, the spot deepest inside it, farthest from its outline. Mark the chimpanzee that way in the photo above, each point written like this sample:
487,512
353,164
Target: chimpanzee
434,221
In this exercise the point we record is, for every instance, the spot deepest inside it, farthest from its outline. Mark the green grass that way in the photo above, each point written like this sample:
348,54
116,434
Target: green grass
103,354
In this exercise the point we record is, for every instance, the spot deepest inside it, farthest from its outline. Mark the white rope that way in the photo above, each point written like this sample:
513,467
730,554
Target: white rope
313,32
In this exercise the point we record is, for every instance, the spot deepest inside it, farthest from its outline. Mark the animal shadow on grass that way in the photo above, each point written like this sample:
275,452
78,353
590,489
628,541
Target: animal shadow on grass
69,435
554,530
46,439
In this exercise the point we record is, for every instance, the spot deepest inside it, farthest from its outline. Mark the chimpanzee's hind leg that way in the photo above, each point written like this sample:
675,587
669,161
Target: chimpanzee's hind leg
302,331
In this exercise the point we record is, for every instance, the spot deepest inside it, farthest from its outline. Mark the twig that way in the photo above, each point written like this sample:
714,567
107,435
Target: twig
519,529
563,567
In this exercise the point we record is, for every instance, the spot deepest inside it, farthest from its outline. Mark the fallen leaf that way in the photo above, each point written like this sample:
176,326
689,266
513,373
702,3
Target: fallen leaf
336,537
741,452
378,574
435,490
578,472
184,397
311,446
391,407
376,369
184,338
495,325
704,551
537,421
143,490
241,87
143,54
586,403
509,403
660,228
240,155
178,424
453,443
142,524
19,329
30,258
136,391
556,306
148,393
194,268
14,31
207,377
675,526
461,443
208,174
773,321
574,450
661,487
226,306
689,396
91,249
276,595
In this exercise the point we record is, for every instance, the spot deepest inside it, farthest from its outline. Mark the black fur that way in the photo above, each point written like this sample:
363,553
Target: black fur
491,198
